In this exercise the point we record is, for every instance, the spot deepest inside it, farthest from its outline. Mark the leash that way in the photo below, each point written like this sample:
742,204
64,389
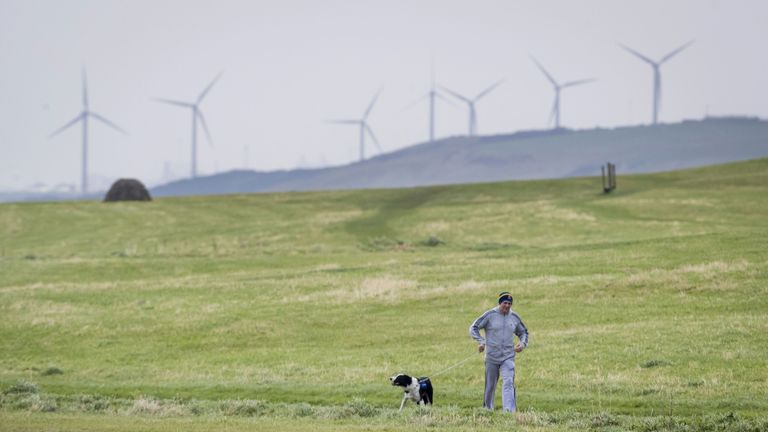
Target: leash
449,368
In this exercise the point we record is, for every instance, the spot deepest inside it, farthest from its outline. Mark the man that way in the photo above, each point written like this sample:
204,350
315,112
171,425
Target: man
500,325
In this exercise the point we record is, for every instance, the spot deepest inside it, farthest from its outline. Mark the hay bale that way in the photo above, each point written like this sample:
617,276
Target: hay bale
127,190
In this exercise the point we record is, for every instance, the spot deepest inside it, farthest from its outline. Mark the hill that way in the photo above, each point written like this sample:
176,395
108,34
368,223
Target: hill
289,311
523,155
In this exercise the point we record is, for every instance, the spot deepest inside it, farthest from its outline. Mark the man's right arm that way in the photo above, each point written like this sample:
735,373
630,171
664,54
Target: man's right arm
474,329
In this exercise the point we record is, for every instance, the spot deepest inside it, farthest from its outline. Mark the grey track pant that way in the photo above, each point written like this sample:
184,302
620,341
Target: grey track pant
507,370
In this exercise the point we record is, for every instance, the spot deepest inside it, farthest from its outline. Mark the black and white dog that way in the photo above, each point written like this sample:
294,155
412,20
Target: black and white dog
419,390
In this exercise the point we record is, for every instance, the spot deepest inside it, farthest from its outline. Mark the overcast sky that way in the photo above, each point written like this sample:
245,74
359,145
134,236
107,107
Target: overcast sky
290,65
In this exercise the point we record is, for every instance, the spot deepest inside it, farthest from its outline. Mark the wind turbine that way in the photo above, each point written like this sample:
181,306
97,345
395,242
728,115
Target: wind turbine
364,126
556,107
432,94
656,65
196,114
83,117
471,104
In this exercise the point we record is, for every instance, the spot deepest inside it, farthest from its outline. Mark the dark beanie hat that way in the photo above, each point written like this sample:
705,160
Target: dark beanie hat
505,296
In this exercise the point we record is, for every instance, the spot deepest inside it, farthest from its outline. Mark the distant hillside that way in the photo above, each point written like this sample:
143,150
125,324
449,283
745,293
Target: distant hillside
523,155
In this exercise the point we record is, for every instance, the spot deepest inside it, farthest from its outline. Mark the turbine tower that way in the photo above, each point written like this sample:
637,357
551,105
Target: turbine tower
196,114
83,117
433,95
557,86
364,126
656,65
471,104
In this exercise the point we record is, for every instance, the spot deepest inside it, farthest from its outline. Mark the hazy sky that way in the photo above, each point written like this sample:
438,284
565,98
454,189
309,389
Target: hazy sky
290,65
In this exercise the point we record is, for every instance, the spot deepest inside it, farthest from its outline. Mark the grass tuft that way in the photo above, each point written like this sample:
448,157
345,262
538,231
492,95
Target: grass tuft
151,406
22,387
52,370
604,419
245,408
91,403
359,408
654,363
432,241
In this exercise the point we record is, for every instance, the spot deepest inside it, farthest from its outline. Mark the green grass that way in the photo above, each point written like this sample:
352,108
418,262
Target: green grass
647,307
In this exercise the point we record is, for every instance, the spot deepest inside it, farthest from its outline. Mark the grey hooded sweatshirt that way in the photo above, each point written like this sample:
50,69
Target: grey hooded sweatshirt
500,331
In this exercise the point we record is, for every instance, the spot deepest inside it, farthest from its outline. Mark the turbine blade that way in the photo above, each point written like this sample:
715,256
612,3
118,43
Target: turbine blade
552,114
544,71
444,99
432,73
488,90
640,56
579,82
85,90
416,102
370,132
370,106
205,126
66,126
454,94
675,52
343,121
207,89
174,102
107,122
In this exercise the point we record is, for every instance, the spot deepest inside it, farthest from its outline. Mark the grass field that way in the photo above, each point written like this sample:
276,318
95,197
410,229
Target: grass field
648,307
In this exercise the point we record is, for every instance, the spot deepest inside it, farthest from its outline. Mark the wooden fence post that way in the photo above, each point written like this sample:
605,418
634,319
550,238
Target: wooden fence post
609,181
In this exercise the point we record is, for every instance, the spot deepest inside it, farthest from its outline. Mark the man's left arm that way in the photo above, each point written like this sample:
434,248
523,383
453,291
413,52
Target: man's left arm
522,333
